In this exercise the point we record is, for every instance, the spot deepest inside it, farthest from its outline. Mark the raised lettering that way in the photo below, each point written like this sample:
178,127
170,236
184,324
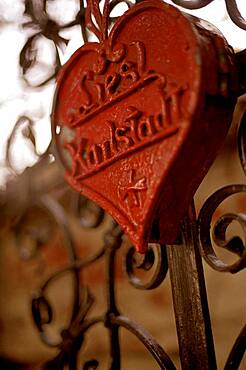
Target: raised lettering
133,132
106,150
158,122
95,155
121,137
145,128
113,142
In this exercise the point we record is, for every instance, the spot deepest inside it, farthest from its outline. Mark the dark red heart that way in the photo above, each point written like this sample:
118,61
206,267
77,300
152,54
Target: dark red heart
142,115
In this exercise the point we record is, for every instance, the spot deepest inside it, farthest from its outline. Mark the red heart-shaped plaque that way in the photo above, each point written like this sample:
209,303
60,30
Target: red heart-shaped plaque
139,117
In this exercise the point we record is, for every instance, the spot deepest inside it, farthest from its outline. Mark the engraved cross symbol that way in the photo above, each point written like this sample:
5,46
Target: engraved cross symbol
132,192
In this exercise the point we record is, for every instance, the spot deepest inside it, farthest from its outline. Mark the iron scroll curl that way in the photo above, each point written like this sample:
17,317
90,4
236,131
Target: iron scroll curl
133,262
236,245
231,6
72,338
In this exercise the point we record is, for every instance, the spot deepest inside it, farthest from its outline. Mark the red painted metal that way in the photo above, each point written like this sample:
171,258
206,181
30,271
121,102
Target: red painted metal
139,116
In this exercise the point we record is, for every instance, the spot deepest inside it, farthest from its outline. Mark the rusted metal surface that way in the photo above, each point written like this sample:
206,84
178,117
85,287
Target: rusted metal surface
136,119
231,6
190,303
234,245
72,338
190,299
237,352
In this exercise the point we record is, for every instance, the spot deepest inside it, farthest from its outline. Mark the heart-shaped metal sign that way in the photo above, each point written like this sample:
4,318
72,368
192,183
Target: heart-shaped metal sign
139,116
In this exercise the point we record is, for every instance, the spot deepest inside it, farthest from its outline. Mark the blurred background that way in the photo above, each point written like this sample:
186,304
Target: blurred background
36,38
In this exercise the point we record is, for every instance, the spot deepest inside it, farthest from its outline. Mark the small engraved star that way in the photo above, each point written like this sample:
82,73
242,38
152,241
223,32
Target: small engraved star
131,193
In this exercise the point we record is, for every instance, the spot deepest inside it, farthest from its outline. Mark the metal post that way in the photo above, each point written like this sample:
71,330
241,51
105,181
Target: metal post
190,300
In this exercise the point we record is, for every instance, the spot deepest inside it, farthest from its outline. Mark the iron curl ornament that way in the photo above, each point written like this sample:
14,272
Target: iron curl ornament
72,338
135,261
231,6
236,245
46,30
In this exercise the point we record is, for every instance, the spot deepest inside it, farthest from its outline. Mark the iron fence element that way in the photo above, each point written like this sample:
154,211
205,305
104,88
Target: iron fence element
183,260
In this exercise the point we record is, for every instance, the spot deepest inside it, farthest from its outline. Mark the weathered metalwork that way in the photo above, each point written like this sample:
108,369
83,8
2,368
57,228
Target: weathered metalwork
131,113
231,6
190,300
183,258
72,338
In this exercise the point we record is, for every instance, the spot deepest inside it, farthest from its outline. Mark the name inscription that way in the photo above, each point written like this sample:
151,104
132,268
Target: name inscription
136,131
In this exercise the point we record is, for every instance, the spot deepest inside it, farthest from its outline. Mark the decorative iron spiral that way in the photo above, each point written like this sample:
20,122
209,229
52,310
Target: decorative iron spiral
236,244
134,261
231,6
72,338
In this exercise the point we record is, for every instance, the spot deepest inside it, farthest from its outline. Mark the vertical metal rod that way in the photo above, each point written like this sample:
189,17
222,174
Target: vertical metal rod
114,243
190,299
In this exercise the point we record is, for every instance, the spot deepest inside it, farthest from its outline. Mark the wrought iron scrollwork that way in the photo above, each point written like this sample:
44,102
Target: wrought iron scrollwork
231,6
236,244
237,352
134,261
192,4
72,338
242,143
48,29
150,343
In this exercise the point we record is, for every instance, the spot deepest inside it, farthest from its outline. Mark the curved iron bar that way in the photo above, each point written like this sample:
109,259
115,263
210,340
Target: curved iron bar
72,341
146,338
29,134
134,260
231,6
235,245
50,30
118,321
242,143
73,337
89,214
91,364
40,302
192,4
60,217
77,265
114,321
237,352
235,14
43,26
46,27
